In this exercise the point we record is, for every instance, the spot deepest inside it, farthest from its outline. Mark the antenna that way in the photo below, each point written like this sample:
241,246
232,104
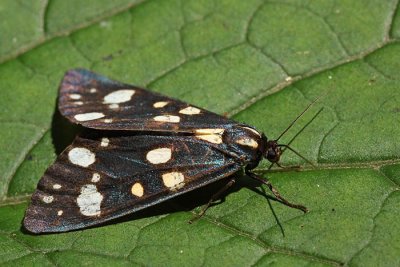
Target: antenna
304,127
287,146
298,117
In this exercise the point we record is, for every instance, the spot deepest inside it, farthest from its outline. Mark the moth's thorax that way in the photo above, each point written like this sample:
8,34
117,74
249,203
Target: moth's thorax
245,142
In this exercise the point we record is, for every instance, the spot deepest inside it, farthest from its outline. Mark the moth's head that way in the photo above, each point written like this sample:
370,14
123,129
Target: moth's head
272,151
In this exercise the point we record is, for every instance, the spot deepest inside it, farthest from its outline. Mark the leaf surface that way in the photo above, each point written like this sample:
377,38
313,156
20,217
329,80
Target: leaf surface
259,62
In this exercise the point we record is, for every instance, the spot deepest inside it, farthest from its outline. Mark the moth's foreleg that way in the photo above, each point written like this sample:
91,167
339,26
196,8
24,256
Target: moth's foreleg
275,191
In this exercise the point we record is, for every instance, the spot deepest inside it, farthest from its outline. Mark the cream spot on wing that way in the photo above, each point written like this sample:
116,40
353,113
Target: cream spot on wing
105,142
96,177
60,212
48,199
253,130
89,116
212,138
119,96
210,135
210,131
75,96
79,103
108,120
137,190
113,106
81,156
160,104
167,118
173,180
246,141
190,111
159,155
56,186
89,200
93,90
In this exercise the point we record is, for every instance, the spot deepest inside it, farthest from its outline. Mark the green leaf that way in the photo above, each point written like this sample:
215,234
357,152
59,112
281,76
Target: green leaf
259,62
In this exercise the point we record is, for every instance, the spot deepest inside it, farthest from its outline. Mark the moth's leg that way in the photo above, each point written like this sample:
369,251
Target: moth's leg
275,191
213,199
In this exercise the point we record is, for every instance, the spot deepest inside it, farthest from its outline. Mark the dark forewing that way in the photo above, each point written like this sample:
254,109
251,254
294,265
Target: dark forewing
100,178
97,102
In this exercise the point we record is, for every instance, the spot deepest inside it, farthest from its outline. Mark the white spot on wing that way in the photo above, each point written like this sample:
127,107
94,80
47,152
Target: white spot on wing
160,104
48,199
113,106
119,96
81,156
253,130
190,111
108,120
93,90
159,155
89,200
75,96
246,141
60,212
137,190
56,186
210,135
173,180
104,142
167,118
79,103
96,177
88,116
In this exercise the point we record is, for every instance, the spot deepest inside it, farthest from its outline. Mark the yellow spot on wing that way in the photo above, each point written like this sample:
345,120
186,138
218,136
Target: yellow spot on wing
210,135
246,141
137,190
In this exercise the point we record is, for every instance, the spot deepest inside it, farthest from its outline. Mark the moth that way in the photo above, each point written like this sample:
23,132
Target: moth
148,148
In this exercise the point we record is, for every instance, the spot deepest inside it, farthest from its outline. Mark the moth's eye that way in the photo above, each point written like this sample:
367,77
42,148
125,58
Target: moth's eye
271,155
